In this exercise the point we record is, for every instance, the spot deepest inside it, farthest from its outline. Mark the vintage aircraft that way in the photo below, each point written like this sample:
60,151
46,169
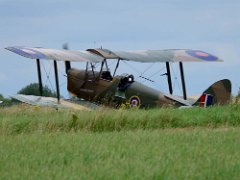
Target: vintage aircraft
102,87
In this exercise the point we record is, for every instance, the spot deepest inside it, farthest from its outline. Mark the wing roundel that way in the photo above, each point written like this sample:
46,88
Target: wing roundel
171,55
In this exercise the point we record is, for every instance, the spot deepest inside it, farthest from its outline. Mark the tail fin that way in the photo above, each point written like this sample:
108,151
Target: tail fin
219,93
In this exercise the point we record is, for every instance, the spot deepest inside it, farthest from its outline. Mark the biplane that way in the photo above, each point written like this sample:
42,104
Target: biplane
100,86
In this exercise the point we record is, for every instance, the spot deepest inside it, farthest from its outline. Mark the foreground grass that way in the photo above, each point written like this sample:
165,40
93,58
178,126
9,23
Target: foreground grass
142,154
42,143
28,119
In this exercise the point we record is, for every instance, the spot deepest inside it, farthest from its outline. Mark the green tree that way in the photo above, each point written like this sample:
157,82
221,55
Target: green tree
33,89
1,97
6,101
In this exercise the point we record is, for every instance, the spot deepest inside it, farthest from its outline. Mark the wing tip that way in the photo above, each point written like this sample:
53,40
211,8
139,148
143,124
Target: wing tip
202,55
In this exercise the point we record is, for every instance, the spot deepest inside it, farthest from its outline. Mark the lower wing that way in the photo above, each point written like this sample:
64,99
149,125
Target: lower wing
52,102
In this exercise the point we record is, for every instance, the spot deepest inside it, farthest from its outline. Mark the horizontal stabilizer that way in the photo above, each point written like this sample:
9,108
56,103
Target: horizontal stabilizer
179,100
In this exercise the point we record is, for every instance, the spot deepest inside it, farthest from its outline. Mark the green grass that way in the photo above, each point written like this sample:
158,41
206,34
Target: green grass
28,119
42,143
141,154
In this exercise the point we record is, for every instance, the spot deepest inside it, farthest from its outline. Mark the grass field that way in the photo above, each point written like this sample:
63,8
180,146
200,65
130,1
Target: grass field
40,143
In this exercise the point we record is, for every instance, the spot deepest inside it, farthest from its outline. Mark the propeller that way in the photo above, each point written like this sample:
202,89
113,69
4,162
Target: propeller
67,63
65,46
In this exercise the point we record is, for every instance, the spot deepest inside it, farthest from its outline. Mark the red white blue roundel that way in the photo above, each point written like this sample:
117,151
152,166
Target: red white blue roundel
201,55
135,101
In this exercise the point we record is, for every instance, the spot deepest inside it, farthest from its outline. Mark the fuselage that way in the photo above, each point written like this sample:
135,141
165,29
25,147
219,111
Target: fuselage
101,87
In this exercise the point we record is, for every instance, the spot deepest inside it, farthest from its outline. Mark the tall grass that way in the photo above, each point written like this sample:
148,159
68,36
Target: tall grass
138,154
27,119
44,143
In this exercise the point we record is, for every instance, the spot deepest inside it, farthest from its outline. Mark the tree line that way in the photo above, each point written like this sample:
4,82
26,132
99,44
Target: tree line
31,89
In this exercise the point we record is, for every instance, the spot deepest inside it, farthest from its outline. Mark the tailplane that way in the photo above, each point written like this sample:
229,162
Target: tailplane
217,94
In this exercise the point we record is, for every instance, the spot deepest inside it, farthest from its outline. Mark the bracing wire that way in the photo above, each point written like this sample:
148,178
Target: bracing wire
139,72
176,82
63,74
48,75
132,67
156,84
142,73
147,69
156,73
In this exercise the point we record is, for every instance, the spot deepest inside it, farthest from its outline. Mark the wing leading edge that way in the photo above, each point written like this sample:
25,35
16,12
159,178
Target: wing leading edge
54,54
172,55
98,55
169,55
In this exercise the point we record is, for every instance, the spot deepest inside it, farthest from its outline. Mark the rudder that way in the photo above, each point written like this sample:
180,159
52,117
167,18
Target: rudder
219,93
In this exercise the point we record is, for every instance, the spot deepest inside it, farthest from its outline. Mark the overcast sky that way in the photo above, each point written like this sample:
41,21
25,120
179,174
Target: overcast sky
209,25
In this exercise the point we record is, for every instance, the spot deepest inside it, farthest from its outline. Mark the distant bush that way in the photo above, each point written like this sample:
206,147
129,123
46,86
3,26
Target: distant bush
1,97
6,101
33,89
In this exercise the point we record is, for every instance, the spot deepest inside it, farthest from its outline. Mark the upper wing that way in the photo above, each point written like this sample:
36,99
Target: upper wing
54,54
170,55
98,55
